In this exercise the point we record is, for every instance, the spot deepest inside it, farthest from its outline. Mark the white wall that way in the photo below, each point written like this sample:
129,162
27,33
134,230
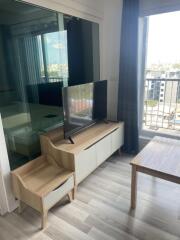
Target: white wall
7,202
111,51
108,14
158,6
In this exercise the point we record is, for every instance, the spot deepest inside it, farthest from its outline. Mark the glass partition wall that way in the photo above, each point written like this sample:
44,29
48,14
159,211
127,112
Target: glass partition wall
41,51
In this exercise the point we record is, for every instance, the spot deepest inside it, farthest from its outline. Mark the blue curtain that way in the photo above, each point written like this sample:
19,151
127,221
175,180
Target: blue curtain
128,85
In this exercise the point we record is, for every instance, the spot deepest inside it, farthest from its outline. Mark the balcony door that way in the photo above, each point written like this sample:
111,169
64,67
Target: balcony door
161,106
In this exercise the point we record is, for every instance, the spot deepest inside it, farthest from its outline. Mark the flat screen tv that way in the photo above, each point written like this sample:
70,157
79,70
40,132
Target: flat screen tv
84,105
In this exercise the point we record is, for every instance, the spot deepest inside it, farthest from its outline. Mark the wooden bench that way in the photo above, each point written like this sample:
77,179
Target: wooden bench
41,184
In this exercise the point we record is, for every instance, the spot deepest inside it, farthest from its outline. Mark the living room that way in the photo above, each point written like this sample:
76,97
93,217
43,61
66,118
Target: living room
89,119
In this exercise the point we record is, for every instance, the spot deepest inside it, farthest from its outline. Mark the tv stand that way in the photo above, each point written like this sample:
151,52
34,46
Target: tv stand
70,139
90,149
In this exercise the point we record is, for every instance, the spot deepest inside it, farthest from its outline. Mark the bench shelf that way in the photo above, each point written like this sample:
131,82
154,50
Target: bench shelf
41,184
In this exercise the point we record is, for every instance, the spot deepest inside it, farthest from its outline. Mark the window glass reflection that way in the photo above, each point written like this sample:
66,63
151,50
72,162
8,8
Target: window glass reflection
41,51
34,68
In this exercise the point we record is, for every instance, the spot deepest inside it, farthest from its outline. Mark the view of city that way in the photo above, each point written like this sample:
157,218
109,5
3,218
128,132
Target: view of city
162,83
54,57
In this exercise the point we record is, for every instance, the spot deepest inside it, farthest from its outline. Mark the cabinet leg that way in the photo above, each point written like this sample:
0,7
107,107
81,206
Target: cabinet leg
74,192
44,219
70,196
119,152
20,208
133,187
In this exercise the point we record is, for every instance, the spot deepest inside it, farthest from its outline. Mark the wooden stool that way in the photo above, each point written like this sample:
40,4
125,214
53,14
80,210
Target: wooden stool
41,184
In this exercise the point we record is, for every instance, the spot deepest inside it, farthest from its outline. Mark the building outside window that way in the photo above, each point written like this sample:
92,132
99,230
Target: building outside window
162,75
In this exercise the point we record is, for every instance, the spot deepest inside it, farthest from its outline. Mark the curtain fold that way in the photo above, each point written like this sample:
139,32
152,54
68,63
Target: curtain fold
26,65
128,83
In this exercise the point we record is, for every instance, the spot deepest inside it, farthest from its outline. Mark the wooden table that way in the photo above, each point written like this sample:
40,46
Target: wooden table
160,158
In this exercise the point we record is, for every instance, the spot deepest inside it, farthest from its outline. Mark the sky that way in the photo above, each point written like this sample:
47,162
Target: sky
164,38
56,43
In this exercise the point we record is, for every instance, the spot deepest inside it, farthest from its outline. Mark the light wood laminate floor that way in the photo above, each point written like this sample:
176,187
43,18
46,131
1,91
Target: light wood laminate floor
101,210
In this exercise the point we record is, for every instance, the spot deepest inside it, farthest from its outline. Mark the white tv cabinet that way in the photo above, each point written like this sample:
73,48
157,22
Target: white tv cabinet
91,147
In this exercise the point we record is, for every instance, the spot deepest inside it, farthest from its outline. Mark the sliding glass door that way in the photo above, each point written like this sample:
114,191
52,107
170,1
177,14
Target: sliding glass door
161,108
34,68
41,51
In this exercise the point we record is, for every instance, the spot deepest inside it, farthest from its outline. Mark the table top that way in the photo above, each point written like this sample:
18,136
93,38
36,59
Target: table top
162,155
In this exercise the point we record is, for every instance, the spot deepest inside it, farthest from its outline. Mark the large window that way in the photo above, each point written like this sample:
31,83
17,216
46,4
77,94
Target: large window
41,52
55,59
162,83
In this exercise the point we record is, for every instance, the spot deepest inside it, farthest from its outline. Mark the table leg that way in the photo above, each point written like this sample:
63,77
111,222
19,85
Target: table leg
44,219
70,196
133,187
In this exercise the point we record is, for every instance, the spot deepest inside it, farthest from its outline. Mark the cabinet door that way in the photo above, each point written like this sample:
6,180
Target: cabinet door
85,163
103,149
117,139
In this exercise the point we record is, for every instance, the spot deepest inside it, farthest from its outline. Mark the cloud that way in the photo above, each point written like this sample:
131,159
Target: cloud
58,46
48,40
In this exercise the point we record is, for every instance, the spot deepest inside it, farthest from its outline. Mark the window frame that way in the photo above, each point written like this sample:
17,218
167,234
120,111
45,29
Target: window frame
142,61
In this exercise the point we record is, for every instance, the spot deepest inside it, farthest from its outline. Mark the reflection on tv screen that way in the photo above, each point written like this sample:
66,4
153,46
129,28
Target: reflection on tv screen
81,101
83,105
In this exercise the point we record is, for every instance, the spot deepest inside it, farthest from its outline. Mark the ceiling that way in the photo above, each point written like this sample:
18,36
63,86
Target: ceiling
16,7
12,12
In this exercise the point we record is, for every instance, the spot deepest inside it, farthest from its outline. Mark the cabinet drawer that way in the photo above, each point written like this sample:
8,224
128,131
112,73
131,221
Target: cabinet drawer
103,149
85,163
56,195
117,139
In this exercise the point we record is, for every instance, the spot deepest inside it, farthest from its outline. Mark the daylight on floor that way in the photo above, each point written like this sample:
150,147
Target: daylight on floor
162,92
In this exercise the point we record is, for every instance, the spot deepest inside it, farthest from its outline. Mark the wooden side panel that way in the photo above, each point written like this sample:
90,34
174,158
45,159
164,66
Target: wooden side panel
23,194
56,156
15,185
31,199
34,164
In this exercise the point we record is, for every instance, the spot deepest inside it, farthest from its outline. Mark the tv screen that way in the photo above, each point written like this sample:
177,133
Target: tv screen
83,105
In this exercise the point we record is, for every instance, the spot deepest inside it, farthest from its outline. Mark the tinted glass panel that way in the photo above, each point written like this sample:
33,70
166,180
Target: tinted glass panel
41,52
